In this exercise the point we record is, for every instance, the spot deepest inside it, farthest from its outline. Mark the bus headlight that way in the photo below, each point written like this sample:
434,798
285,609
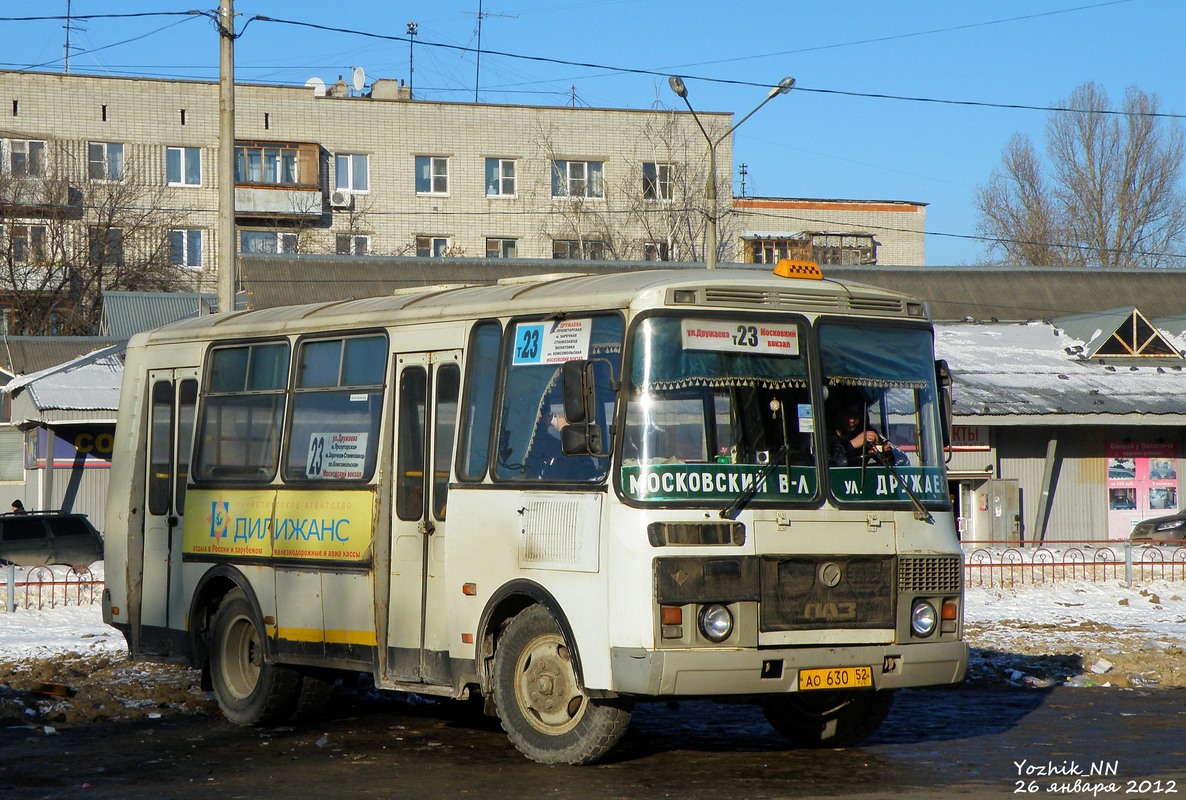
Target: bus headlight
923,619
716,623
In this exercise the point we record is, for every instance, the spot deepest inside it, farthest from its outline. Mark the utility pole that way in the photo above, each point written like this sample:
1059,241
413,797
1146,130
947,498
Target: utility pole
226,157
413,29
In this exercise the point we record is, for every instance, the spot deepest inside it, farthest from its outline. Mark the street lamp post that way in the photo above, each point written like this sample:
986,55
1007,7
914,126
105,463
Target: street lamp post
710,187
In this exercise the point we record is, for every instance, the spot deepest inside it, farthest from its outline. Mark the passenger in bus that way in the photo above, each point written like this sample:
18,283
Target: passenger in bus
851,439
546,459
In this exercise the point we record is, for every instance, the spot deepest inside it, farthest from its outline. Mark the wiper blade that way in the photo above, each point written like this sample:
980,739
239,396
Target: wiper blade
885,459
742,500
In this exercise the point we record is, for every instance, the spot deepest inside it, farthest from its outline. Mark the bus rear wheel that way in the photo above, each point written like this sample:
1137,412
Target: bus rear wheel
827,719
249,690
541,705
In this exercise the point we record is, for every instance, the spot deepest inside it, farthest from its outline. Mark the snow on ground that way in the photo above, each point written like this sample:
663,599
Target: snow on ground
1073,631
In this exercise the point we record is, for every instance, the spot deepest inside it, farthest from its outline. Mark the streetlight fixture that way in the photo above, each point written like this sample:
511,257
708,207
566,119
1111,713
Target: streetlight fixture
710,187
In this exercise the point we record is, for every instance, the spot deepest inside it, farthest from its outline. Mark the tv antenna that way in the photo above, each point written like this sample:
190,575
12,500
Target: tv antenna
413,29
478,61
70,26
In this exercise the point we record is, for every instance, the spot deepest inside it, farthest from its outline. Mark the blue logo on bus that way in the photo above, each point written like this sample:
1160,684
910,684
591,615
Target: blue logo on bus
220,514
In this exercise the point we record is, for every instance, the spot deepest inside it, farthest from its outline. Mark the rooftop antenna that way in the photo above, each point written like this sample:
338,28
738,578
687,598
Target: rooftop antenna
478,61
69,26
744,171
413,29
358,78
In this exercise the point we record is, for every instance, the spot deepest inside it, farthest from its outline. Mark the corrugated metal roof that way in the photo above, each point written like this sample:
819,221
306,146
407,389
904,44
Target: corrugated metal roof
89,383
23,355
1021,294
278,280
952,293
128,313
1020,370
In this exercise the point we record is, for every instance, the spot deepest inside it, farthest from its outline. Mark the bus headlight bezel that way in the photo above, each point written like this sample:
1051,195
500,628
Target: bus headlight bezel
924,620
715,622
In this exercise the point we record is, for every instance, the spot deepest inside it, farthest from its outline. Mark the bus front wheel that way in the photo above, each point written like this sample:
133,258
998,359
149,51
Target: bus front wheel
540,703
249,690
827,719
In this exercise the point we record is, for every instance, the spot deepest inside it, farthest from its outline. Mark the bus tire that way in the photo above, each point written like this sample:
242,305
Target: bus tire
827,719
313,696
249,690
540,703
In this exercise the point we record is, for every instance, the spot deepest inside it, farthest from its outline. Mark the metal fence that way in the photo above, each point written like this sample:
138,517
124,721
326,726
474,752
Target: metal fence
984,565
42,587
1071,561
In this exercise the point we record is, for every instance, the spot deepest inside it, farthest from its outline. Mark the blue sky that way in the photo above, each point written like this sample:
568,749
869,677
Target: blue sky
829,138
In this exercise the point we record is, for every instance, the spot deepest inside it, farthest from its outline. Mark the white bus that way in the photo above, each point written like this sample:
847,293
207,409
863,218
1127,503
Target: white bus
565,495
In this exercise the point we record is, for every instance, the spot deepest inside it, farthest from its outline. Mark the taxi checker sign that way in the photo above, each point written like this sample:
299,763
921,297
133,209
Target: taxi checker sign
740,337
551,342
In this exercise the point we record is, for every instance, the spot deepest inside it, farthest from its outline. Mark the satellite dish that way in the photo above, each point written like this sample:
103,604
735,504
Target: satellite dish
358,78
317,85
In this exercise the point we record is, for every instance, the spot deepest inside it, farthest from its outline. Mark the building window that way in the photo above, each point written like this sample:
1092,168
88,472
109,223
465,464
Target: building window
579,250
432,175
183,166
275,164
105,161
352,244
656,251
500,177
267,242
502,248
185,248
658,182
28,244
845,249
352,172
25,158
431,246
771,251
107,247
577,179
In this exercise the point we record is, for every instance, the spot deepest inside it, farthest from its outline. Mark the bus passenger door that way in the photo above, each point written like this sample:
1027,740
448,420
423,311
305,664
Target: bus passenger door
425,427
172,401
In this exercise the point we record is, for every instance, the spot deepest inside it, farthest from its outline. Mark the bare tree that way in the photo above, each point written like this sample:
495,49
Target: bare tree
665,208
63,246
1113,198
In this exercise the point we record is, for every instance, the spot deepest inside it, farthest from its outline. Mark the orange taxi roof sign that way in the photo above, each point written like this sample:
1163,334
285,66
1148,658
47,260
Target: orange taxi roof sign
790,268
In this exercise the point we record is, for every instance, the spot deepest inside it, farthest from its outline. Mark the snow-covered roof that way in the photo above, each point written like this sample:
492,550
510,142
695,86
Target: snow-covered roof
1015,372
74,390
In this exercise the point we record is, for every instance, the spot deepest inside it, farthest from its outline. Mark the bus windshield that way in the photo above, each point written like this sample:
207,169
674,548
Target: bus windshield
882,414
715,407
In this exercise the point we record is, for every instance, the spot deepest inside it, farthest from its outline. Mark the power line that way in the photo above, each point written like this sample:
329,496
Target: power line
799,87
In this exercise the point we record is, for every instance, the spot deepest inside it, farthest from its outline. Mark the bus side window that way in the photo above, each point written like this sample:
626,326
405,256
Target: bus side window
482,379
409,468
444,421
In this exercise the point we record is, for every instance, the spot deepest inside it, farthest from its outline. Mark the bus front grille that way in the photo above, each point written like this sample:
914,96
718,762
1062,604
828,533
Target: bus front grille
930,574
818,592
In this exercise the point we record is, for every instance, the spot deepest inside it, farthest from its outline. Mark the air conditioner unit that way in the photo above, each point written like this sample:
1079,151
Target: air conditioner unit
340,199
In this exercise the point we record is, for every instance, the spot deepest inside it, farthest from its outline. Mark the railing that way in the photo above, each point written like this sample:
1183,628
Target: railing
41,587
1096,562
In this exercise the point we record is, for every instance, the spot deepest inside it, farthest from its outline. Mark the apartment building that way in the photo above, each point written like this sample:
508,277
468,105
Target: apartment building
114,180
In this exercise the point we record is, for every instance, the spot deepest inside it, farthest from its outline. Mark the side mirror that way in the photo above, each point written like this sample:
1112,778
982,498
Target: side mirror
579,392
583,435
943,377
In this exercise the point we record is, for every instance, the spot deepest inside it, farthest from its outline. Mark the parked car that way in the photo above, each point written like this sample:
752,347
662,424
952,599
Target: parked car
49,537
1170,528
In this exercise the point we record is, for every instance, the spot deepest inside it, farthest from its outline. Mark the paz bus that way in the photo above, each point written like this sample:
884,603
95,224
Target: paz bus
564,495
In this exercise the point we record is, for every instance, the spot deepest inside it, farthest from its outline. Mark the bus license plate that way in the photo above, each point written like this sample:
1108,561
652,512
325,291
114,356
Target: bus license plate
838,678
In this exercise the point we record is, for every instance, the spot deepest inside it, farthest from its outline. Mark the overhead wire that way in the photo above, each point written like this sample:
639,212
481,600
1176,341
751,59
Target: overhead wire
420,41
